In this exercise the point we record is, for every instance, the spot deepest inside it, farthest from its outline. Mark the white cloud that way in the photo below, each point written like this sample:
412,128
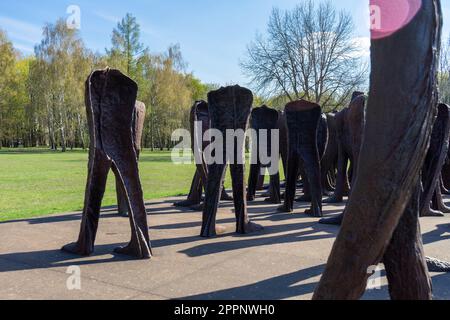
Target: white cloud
107,17
23,48
363,46
21,31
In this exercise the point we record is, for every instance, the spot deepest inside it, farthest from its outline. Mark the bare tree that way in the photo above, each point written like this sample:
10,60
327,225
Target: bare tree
444,72
309,53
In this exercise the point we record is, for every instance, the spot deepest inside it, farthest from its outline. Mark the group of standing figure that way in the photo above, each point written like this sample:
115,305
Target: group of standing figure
322,150
389,154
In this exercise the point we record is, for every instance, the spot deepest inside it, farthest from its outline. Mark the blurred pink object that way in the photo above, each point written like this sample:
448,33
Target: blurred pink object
389,16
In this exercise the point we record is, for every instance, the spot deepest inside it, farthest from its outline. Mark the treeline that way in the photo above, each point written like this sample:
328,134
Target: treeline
42,97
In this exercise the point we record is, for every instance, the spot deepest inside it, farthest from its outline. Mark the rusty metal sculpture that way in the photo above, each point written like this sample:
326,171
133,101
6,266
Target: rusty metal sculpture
349,128
303,119
329,161
431,172
381,221
322,141
263,118
138,128
199,114
110,103
350,140
446,176
284,143
230,109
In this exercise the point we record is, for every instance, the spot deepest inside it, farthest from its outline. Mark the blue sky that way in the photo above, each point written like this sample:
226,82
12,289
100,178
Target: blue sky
213,34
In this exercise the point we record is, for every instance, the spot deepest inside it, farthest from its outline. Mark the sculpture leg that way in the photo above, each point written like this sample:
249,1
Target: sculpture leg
139,246
312,169
213,191
434,162
195,194
122,205
225,196
243,224
306,197
438,200
255,171
327,166
99,166
261,179
444,190
337,220
291,184
446,176
274,189
404,259
341,180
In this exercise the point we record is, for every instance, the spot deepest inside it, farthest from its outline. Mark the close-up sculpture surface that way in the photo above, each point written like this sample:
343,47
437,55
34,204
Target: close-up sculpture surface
399,122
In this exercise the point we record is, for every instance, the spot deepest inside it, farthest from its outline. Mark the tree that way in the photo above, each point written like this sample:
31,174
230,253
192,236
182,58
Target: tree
57,84
309,52
126,46
444,72
7,62
168,93
42,98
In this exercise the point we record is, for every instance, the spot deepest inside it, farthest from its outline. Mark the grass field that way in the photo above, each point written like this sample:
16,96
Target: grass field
36,182
39,182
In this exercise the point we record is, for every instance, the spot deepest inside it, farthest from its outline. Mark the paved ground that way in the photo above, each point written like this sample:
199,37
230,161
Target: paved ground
283,262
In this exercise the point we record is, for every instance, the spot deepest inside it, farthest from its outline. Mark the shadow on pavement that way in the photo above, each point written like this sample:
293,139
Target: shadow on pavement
277,288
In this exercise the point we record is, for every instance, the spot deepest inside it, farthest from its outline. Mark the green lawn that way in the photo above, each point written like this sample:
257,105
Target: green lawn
39,182
36,182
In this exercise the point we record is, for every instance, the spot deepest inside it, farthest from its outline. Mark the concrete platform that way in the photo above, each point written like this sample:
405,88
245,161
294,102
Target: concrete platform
284,261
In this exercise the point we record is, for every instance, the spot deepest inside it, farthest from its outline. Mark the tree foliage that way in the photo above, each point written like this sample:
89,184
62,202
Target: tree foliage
42,97
56,86
126,46
444,72
12,91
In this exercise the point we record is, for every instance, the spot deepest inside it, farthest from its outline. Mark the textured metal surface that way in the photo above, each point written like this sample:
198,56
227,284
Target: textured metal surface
303,119
200,113
229,109
263,118
437,153
138,129
110,104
